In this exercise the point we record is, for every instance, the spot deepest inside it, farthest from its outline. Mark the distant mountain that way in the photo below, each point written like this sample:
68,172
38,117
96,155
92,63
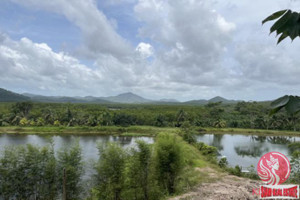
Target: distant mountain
217,99
121,98
221,99
197,102
169,100
8,96
62,99
212,100
127,98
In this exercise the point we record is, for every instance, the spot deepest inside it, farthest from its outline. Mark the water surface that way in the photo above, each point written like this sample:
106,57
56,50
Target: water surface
246,150
88,143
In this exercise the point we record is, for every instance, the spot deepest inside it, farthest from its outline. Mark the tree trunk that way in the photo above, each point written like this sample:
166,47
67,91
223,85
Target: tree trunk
64,185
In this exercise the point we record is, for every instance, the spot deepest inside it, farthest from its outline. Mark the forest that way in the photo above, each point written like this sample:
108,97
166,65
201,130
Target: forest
250,115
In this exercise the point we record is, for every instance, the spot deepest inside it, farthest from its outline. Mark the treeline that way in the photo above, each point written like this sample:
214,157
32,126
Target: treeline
239,115
145,172
31,172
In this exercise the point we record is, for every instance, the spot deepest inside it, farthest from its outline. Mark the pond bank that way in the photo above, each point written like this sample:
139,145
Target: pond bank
134,130
241,131
84,130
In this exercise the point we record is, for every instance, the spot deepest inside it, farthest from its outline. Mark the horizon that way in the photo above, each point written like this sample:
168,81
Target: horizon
157,49
124,93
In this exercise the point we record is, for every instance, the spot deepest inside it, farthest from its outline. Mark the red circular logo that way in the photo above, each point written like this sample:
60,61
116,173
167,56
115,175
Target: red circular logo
273,168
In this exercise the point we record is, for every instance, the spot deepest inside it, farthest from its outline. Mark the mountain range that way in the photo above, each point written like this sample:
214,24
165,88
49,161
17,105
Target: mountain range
128,98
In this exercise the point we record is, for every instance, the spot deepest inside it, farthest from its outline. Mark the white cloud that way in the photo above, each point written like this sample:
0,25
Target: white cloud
145,50
99,34
33,65
202,49
192,38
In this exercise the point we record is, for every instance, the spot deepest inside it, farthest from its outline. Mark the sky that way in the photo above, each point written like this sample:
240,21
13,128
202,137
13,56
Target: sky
180,49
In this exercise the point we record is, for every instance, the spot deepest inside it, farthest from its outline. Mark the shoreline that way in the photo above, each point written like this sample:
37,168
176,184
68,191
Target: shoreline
134,131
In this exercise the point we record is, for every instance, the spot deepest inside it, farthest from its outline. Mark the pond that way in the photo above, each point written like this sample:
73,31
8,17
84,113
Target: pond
246,150
242,150
88,143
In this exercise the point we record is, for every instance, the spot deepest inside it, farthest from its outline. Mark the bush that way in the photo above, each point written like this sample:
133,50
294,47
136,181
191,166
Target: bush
168,161
206,149
27,173
110,168
223,162
56,123
237,170
70,160
138,172
295,167
24,122
187,133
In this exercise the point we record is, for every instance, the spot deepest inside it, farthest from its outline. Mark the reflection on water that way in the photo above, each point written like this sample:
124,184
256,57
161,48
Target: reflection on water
88,143
246,150
251,151
240,150
217,142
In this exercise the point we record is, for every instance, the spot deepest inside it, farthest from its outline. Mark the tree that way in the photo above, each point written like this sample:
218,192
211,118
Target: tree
288,25
22,108
110,167
180,117
71,161
137,172
291,105
28,173
169,161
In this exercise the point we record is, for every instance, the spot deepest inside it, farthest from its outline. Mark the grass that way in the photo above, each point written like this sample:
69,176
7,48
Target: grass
85,130
241,131
134,130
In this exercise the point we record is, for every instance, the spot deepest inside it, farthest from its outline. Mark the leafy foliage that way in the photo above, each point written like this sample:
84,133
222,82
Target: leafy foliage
290,103
169,161
71,161
29,172
287,24
239,115
110,177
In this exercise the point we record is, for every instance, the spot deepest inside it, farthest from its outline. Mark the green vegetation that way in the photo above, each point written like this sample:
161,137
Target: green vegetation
29,172
295,162
245,115
167,167
287,24
8,96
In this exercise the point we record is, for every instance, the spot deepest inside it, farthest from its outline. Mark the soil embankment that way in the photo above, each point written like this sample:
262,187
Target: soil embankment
224,187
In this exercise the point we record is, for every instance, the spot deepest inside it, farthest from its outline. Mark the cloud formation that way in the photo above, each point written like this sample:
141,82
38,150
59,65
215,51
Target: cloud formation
99,34
184,49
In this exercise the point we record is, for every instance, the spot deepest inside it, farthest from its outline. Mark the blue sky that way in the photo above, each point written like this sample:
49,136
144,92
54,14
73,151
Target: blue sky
155,48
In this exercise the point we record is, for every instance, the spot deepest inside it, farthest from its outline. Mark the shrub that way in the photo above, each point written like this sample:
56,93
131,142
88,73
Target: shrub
70,160
237,170
168,161
110,167
24,122
223,162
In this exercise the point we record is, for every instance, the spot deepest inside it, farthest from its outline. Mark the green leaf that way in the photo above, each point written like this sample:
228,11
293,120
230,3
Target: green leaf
274,16
290,103
275,110
282,37
281,22
293,106
282,101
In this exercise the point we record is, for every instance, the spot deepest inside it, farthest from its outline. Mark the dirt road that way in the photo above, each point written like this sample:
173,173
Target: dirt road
225,187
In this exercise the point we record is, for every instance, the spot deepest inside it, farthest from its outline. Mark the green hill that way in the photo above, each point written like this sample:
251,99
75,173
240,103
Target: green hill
8,96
